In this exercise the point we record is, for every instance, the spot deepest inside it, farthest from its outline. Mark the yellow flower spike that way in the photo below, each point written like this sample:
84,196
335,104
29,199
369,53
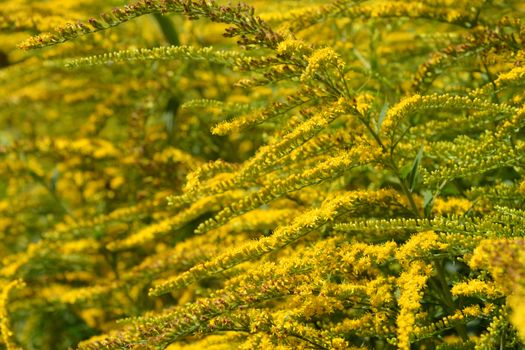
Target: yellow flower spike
409,105
320,61
293,47
329,168
268,155
302,225
517,315
505,260
476,287
498,323
245,22
157,54
418,246
498,256
5,329
448,206
411,282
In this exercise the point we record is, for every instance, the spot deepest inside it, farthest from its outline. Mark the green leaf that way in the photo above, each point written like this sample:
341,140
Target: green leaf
405,170
428,201
382,116
53,181
168,29
169,116
413,175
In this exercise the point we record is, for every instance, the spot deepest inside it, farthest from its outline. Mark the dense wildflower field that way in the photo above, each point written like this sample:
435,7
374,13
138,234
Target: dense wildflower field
198,174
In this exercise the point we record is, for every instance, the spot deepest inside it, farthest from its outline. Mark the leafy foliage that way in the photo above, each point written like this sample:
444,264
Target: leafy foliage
191,174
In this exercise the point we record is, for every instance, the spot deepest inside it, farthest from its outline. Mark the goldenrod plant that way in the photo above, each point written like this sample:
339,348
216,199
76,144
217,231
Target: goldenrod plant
199,174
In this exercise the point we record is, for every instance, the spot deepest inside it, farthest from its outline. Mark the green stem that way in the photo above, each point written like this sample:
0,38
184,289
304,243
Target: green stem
404,188
461,329
491,80
171,35
408,194
392,165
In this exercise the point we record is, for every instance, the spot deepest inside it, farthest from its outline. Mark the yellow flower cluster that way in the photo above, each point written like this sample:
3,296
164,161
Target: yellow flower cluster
451,206
152,232
412,283
284,235
279,175
401,111
320,61
419,245
476,287
505,260
293,47
5,329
